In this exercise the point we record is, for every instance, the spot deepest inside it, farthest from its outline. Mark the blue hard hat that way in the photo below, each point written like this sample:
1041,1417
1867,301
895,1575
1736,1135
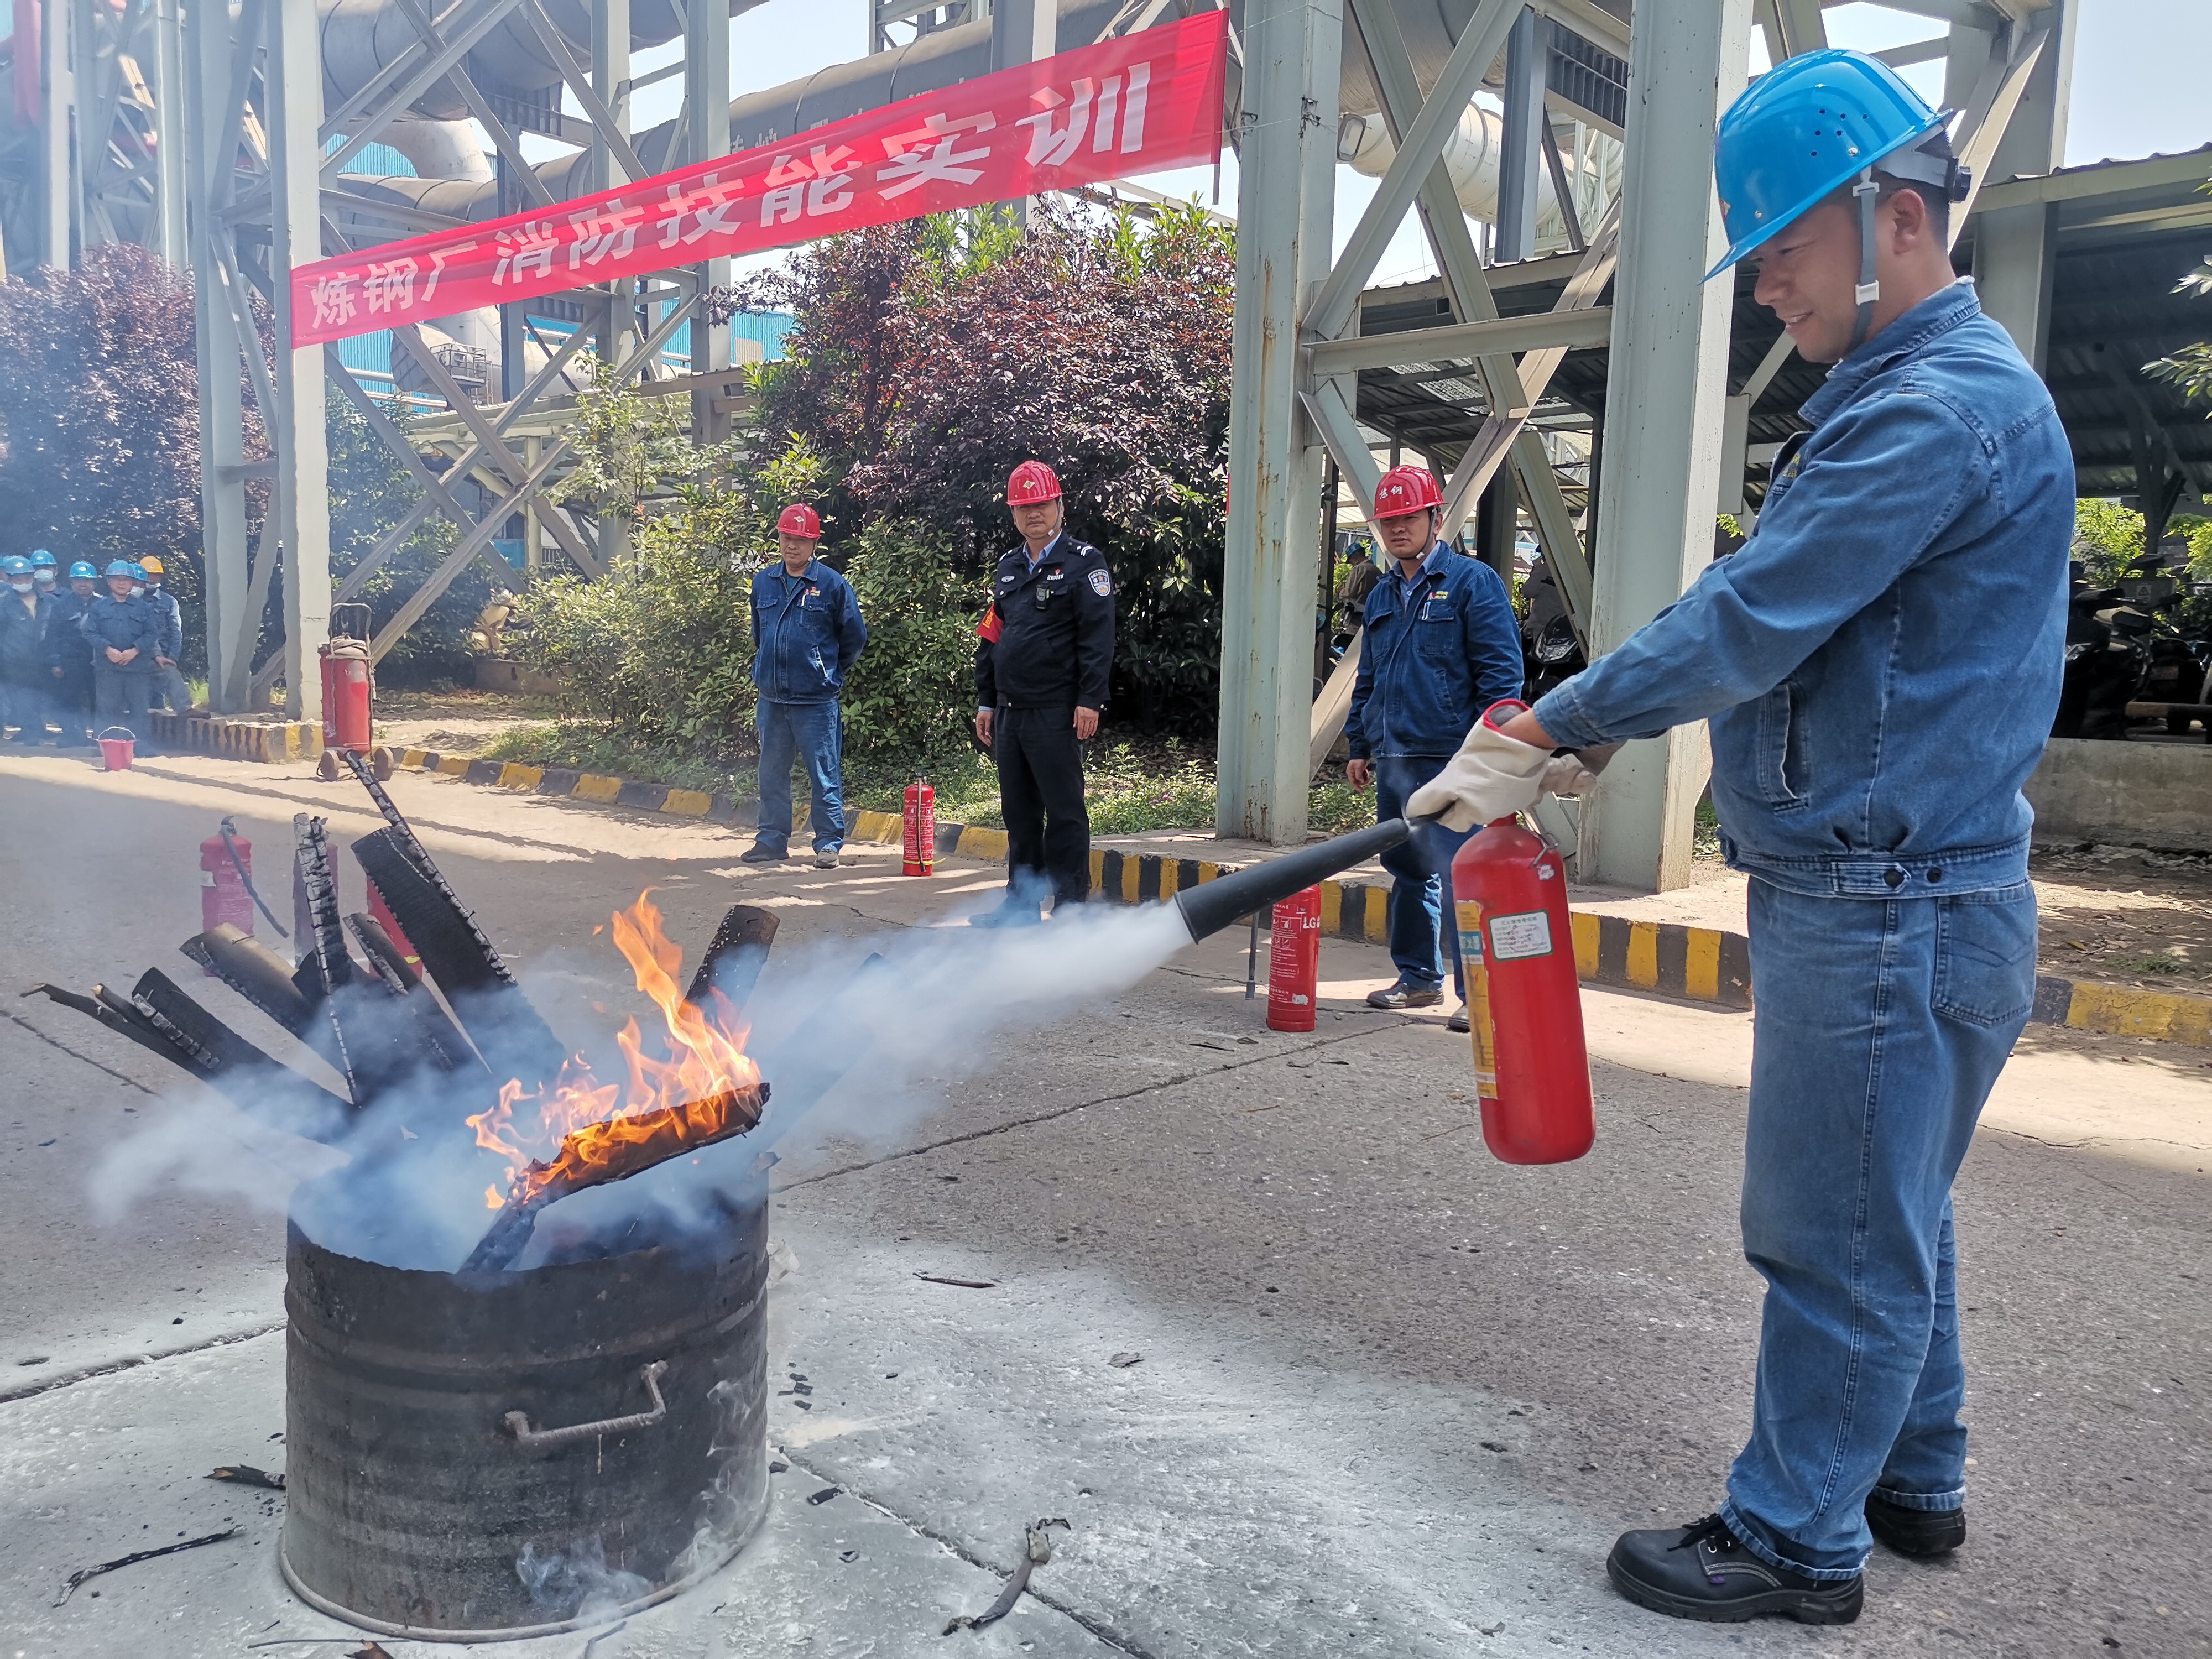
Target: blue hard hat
84,572
42,560
121,568
15,565
137,572
1802,133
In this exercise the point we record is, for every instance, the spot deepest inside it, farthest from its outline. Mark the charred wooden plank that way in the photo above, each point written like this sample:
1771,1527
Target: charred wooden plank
263,1087
511,1036
616,1151
254,971
735,954
447,1045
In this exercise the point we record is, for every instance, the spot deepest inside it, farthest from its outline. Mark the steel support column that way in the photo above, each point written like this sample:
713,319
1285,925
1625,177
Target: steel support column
1520,156
223,552
1285,201
2016,249
170,126
57,128
294,91
707,135
1664,394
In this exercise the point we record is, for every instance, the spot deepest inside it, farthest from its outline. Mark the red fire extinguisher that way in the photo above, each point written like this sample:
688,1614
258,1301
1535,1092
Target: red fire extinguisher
225,867
347,685
1523,999
921,828
1294,962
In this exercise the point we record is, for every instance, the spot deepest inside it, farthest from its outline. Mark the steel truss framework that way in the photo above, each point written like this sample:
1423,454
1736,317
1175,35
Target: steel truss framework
1300,347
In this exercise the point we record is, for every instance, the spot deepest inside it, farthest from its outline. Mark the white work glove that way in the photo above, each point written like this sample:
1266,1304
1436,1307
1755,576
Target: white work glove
1571,774
1492,776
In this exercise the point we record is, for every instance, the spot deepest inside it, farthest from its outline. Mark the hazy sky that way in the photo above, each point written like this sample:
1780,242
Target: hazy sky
2139,84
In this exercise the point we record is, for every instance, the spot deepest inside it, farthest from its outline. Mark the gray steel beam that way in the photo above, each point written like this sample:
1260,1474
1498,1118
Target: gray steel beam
1665,386
1520,156
223,552
294,92
57,124
706,137
2016,248
170,237
1478,48
1286,190
1564,331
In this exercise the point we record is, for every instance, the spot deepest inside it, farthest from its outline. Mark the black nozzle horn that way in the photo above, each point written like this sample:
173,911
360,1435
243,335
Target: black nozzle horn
1210,909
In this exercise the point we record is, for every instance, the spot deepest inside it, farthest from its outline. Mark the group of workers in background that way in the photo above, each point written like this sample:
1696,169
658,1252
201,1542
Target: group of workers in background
87,651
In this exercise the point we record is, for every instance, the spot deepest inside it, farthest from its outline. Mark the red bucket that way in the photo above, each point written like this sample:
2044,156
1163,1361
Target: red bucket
117,751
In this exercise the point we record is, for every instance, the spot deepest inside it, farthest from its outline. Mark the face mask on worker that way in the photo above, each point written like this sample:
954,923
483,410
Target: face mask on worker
20,586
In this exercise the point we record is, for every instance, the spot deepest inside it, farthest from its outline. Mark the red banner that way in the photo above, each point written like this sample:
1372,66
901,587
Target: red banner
1140,103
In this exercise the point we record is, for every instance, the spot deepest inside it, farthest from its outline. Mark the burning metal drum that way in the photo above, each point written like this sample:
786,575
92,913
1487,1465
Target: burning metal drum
481,1456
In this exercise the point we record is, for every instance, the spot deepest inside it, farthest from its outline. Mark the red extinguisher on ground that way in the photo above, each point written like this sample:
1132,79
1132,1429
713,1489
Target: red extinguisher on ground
1294,962
227,892
921,828
1523,996
348,684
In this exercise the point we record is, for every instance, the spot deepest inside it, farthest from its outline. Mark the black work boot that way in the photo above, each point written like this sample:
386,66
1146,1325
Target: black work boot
1405,994
1916,1531
1700,1571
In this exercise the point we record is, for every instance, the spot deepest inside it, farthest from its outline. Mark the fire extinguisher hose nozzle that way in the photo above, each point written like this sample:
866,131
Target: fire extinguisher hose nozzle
1211,908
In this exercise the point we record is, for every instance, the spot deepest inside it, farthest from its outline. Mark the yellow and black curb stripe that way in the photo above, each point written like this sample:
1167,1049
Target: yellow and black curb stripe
2121,1010
236,739
1694,964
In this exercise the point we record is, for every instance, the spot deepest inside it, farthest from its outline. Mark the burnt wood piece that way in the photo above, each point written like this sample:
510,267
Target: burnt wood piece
511,1036
324,969
447,1046
254,971
401,838
128,1023
264,1088
735,954
671,1132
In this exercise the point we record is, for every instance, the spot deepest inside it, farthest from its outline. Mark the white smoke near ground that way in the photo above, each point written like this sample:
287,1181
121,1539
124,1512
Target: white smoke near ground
859,1040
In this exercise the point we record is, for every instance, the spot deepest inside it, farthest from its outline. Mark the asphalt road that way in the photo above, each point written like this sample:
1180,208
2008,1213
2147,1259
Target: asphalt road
1392,1397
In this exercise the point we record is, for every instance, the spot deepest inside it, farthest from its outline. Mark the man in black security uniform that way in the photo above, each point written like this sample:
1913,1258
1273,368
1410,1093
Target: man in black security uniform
1041,669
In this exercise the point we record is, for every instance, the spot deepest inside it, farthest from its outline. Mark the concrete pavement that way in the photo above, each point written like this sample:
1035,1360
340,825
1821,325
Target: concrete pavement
1393,1398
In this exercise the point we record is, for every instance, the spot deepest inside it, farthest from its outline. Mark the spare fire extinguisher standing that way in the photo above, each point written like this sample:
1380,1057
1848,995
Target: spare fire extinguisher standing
227,890
349,690
921,828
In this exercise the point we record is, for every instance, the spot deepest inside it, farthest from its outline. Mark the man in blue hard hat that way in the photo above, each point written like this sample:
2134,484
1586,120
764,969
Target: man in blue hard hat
44,571
1869,750
126,633
69,656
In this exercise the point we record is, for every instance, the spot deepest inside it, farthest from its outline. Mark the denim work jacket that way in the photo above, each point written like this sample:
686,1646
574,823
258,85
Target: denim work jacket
1428,668
124,625
807,633
1881,662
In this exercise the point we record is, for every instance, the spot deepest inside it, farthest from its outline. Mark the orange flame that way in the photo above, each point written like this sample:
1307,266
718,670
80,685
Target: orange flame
690,1094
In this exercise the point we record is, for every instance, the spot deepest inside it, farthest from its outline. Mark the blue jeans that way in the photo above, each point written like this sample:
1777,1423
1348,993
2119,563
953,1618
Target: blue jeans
1881,1025
813,732
1420,872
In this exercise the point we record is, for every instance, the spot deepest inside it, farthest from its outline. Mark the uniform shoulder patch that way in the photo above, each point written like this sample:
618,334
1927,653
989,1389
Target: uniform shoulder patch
1100,583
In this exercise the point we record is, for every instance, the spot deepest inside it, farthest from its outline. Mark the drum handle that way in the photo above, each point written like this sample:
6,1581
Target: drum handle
529,1439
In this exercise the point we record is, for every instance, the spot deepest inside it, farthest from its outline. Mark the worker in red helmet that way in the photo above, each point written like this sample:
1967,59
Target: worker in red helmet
807,635
1442,645
1043,660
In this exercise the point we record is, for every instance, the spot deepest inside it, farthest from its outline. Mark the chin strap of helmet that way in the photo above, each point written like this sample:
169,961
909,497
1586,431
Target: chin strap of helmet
1870,289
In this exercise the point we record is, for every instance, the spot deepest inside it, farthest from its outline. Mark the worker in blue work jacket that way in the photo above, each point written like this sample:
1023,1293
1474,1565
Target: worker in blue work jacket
24,614
1880,665
169,687
127,633
807,635
1442,645
69,656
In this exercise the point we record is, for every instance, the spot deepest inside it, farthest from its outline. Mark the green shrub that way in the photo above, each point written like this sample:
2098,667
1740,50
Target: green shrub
909,699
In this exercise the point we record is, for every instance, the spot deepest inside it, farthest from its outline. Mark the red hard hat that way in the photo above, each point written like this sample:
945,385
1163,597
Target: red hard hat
800,519
1033,480
1406,490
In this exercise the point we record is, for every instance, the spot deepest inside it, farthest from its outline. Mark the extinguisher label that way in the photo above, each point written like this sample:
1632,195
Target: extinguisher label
1477,978
1513,938
207,877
